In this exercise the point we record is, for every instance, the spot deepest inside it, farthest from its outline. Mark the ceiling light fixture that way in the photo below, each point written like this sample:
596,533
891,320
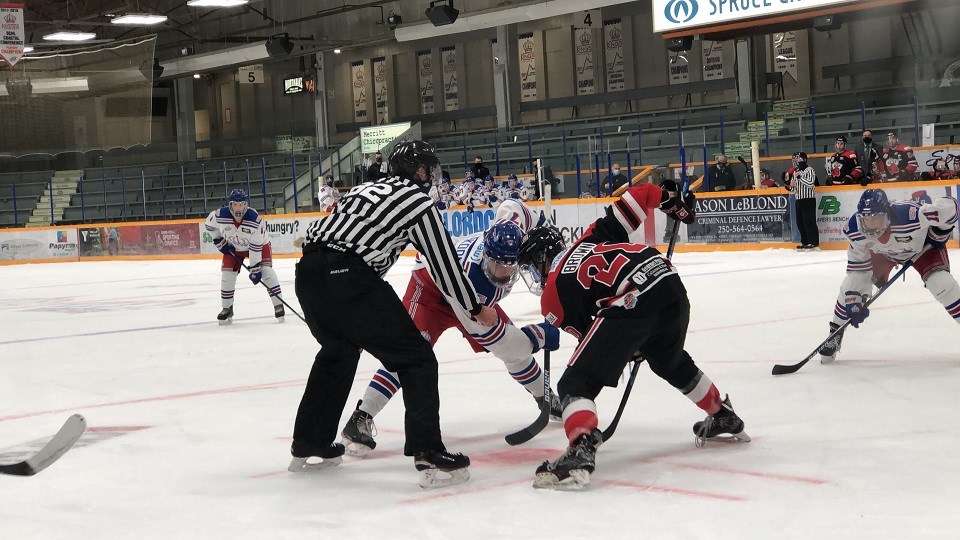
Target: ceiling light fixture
69,35
196,75
139,19
337,51
217,3
27,48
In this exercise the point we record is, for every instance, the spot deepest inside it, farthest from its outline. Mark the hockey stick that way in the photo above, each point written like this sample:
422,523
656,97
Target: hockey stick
780,369
685,186
282,301
61,442
531,431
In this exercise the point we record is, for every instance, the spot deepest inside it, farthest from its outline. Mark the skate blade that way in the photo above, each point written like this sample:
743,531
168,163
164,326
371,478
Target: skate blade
577,480
727,438
356,449
824,359
280,320
300,464
225,322
430,480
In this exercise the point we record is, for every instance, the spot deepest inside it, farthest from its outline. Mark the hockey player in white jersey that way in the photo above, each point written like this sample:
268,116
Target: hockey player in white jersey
238,232
491,193
514,189
441,194
490,263
885,234
328,195
464,192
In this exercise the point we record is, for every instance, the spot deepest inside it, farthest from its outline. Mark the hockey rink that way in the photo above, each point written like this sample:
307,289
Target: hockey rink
190,423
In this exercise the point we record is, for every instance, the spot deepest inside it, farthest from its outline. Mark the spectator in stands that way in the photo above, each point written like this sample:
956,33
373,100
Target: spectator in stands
842,166
720,175
614,180
870,156
377,169
479,170
899,159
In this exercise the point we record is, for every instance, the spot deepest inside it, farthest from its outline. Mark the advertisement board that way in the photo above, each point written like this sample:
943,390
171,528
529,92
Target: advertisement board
672,15
28,244
373,139
751,218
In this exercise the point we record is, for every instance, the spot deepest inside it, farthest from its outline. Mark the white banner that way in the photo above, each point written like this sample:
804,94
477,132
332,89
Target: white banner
425,81
379,68
373,139
451,92
583,55
27,244
359,78
712,59
670,15
11,33
679,67
613,53
528,67
785,53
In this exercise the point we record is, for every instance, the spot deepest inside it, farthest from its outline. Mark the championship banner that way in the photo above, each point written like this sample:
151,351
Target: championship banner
359,78
583,56
785,53
425,81
750,218
379,68
712,59
679,67
451,92
26,244
528,67
613,47
11,33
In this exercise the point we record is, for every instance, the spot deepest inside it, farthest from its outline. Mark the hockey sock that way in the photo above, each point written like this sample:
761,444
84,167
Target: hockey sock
273,283
527,372
944,287
228,282
579,417
703,393
383,386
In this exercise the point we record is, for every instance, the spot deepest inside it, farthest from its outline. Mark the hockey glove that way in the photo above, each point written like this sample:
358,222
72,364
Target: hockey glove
856,311
224,247
256,274
543,336
677,209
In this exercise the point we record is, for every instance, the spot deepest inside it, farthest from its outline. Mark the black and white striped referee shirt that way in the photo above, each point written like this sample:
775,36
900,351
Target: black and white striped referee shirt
803,182
377,220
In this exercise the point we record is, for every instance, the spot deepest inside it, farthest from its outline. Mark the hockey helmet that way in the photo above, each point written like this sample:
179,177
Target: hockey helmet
873,212
512,178
501,247
537,255
239,202
408,157
799,157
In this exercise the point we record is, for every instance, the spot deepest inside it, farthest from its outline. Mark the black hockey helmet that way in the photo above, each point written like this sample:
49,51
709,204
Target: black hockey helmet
799,157
537,253
407,158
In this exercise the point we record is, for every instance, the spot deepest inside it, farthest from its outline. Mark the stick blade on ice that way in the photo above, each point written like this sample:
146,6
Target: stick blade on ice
71,431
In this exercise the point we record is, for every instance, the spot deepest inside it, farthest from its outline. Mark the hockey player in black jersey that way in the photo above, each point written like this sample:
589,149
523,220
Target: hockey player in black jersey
622,301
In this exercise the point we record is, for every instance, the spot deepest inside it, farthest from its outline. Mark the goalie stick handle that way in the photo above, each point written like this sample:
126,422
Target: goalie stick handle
780,369
284,302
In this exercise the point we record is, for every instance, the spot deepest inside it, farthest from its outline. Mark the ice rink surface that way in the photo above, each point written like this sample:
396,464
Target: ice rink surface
190,422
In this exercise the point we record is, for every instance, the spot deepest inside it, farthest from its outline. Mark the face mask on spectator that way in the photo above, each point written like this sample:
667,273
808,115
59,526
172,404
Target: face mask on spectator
616,172
867,140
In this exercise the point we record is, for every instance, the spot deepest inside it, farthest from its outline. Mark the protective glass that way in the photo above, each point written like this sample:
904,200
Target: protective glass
501,274
238,208
873,224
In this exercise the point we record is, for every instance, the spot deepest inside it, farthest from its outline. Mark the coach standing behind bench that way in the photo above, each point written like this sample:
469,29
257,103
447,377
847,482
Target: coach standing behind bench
349,307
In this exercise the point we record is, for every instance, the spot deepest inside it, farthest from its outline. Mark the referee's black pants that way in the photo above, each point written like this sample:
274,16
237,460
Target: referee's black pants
348,307
807,222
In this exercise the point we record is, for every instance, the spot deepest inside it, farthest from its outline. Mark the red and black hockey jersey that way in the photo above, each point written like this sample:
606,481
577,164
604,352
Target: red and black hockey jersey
603,274
900,162
842,165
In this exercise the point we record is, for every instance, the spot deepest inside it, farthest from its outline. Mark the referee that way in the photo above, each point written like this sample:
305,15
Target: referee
349,307
802,179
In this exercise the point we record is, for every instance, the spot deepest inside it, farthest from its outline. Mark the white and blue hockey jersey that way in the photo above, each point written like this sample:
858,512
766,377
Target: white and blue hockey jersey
248,235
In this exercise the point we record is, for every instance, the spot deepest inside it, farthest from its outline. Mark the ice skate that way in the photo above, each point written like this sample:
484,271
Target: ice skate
358,433
828,353
723,422
572,470
556,409
455,467
802,247
278,312
305,457
226,316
